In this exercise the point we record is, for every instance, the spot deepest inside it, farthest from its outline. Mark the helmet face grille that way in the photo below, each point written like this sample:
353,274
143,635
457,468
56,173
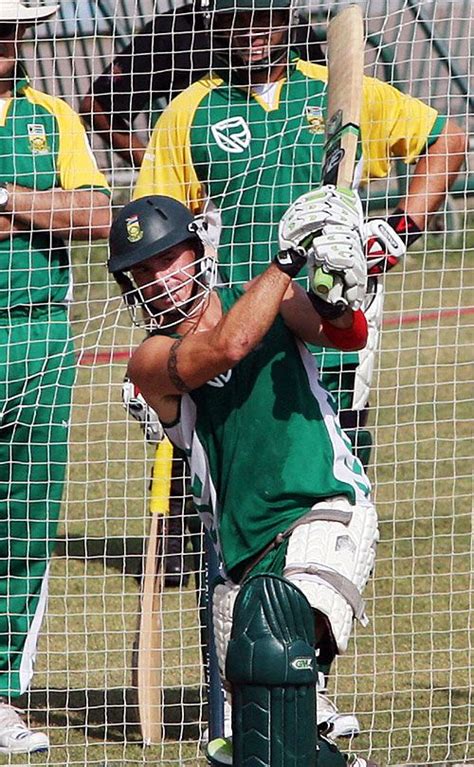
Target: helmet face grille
201,275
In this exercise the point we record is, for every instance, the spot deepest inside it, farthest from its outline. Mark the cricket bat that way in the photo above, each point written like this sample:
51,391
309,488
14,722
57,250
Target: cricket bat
345,54
149,659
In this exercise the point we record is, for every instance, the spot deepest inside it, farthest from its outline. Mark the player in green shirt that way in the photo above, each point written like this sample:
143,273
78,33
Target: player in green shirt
51,191
273,475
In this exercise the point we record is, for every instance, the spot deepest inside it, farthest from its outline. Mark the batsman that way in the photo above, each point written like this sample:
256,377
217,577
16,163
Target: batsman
274,477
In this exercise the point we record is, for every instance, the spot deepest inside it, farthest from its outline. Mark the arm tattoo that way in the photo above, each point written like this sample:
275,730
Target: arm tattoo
175,378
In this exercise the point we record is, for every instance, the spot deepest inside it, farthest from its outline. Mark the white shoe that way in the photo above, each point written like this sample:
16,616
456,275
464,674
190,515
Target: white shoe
15,737
333,724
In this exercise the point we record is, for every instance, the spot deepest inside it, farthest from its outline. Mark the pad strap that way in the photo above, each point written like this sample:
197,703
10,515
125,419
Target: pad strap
290,261
339,582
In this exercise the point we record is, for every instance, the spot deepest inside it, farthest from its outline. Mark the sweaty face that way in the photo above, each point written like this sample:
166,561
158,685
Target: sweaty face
172,286
252,38
165,281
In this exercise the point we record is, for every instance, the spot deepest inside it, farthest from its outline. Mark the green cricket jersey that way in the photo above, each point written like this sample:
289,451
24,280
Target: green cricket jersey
43,145
264,444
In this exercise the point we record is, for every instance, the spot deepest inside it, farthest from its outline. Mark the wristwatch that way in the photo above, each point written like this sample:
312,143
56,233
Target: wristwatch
4,197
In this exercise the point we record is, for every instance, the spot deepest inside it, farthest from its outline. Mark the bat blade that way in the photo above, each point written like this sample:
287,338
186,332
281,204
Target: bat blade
345,82
150,638
345,77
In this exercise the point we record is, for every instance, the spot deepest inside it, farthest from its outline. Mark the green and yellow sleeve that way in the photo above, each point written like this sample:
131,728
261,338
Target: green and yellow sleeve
168,165
393,125
76,165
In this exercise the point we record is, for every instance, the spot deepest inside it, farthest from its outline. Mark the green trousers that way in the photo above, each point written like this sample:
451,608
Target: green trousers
37,370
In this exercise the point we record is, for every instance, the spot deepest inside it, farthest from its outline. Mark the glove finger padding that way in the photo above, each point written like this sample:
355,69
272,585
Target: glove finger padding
339,250
310,212
327,224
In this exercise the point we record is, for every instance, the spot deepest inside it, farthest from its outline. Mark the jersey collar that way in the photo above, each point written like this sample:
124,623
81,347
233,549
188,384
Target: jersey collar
20,78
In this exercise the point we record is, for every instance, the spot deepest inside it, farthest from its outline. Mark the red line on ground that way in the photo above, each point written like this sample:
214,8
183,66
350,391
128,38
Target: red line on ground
436,314
97,357
100,358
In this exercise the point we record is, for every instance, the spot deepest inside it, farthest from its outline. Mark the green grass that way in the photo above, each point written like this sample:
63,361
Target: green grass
408,674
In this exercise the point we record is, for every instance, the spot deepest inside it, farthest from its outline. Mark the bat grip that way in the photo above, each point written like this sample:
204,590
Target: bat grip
323,281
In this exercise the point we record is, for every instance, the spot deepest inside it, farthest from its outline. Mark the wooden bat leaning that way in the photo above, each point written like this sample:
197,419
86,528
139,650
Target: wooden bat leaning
345,54
150,639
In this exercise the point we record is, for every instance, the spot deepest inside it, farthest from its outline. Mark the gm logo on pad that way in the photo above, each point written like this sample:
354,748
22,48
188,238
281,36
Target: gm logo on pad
302,664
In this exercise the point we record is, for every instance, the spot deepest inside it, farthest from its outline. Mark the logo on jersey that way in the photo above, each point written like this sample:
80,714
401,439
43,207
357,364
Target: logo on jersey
134,230
221,380
232,135
315,118
37,139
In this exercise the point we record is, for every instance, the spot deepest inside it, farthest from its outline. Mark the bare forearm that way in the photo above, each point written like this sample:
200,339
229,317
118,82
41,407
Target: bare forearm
129,147
252,315
124,142
201,354
81,214
434,175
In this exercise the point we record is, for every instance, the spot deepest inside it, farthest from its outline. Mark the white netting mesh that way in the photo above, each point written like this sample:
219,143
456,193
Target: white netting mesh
409,676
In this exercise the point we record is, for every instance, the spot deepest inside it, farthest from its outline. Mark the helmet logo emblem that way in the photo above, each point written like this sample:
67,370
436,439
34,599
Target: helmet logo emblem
232,135
134,230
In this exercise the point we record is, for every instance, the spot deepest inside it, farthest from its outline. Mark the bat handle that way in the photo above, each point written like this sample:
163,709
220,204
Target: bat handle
323,280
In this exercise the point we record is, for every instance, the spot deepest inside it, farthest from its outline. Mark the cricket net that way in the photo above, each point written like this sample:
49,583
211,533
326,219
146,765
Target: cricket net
408,676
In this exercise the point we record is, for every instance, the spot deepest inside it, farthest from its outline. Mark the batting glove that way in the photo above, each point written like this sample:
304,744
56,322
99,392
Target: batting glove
339,251
386,242
383,246
326,225
136,405
306,217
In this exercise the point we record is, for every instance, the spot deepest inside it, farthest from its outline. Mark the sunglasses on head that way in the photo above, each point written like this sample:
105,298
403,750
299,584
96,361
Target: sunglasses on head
8,30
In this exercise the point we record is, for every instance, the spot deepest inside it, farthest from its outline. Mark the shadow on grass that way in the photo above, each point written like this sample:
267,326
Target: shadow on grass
112,715
122,554
126,555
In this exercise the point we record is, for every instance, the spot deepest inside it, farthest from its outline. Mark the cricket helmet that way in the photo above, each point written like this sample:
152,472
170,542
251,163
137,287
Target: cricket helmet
151,226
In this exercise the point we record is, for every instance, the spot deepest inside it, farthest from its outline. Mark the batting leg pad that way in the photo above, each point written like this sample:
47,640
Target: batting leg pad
331,558
223,601
271,667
